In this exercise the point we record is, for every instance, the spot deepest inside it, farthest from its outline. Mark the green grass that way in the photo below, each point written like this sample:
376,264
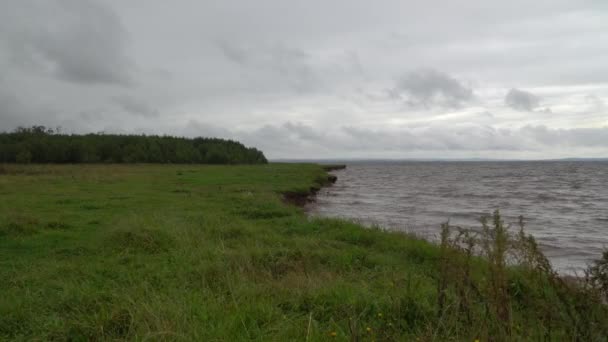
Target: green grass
180,252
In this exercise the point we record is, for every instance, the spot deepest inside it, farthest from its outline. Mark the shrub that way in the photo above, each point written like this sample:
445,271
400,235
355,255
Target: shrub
472,292
596,276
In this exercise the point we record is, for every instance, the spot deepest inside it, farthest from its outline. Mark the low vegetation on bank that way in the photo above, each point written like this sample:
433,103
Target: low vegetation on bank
191,252
39,144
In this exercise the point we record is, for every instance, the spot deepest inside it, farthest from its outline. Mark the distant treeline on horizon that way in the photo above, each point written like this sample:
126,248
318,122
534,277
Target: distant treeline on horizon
39,144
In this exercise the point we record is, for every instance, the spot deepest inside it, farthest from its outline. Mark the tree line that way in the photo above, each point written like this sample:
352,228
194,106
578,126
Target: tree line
39,144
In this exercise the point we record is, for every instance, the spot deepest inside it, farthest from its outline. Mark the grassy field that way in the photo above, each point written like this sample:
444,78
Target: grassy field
212,253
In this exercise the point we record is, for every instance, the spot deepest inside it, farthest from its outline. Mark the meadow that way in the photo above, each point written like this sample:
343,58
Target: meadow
216,253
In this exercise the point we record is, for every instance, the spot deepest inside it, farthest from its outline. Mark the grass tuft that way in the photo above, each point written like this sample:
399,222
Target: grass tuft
140,240
19,225
57,225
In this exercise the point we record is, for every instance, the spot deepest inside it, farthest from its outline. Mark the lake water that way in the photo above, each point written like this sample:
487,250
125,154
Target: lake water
565,204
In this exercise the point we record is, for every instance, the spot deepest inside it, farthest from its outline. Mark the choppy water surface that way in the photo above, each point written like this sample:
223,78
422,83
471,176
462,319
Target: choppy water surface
565,204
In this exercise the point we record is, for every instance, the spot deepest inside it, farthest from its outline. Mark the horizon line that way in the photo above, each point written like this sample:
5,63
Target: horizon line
364,159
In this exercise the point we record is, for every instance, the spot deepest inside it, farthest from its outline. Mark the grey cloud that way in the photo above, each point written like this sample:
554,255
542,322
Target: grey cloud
283,63
486,114
575,137
10,110
299,74
79,41
286,135
437,139
136,107
89,116
197,129
521,100
282,140
429,87
234,53
271,139
302,131
15,112
596,105
478,138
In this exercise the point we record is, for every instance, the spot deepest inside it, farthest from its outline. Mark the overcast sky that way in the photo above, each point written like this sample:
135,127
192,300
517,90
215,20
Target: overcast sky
317,78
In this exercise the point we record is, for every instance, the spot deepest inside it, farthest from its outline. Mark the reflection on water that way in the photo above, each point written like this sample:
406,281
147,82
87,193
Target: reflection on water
565,204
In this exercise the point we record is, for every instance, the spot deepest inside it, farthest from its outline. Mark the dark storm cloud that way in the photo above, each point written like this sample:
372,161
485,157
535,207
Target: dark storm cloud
521,100
77,41
429,87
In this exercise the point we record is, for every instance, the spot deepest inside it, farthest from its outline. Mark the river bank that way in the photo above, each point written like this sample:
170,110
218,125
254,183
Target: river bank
186,252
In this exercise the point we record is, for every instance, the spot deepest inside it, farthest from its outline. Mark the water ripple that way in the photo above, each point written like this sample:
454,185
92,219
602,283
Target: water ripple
565,203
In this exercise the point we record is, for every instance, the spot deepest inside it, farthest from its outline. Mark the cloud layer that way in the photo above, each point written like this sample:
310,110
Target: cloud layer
316,79
428,87
72,40
521,100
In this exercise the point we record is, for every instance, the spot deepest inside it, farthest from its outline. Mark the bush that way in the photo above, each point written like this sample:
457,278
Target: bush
596,276
515,274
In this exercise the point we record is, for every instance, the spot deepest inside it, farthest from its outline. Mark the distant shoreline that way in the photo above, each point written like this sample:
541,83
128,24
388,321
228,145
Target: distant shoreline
379,160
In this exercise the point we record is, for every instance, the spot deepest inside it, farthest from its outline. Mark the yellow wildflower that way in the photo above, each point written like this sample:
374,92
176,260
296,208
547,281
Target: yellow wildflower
333,334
